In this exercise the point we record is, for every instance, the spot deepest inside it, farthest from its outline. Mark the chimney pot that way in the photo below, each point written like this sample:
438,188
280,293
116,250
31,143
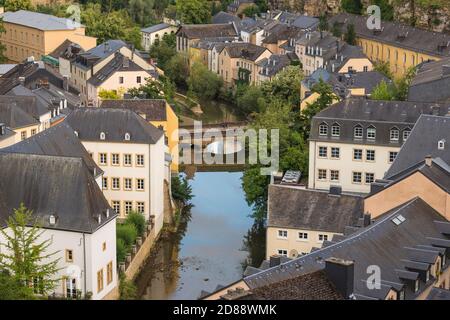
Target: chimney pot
428,160
341,273
274,261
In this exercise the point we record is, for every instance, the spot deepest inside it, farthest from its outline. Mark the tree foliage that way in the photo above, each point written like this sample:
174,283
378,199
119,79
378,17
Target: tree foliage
162,88
177,70
193,11
164,50
15,5
12,289
181,190
350,35
3,58
383,91
25,255
141,11
203,83
352,6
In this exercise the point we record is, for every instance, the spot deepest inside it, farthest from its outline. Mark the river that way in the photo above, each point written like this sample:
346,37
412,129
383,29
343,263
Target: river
213,112
212,247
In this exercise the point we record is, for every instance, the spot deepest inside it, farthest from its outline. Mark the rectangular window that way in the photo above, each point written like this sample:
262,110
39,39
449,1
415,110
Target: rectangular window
69,255
322,174
115,183
335,153
303,236
140,184
128,207
100,280
140,207
33,132
127,184
371,133
335,131
323,152
334,175
282,234
323,237
406,133
138,79
323,130
105,183
358,132
282,252
357,177
104,246
392,156
109,273
370,155
103,159
116,206
115,159
121,80
370,177
23,135
140,160
127,159
394,135
357,154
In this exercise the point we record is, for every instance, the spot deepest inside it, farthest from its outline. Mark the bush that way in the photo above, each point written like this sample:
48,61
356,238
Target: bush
121,250
137,220
127,233
127,289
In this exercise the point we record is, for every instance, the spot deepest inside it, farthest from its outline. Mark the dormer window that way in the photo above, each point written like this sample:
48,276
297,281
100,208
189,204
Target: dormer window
441,144
76,133
406,133
127,136
323,129
358,132
102,136
371,133
52,220
394,134
335,130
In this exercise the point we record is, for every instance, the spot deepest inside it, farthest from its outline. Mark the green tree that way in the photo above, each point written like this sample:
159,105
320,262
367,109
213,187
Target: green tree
177,70
127,289
251,11
383,91
25,255
12,289
154,89
352,6
402,84
285,86
203,83
387,10
350,35
326,96
108,94
141,11
181,190
164,50
250,100
15,5
193,11
384,68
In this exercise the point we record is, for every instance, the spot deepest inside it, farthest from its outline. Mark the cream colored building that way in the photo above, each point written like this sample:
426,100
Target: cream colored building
354,142
131,153
36,34
155,33
239,62
88,64
301,219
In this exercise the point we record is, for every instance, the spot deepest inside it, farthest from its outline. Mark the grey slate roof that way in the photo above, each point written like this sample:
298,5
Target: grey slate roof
39,21
13,115
439,294
225,17
397,34
153,109
308,209
423,141
59,140
155,28
67,50
383,115
49,185
246,51
274,64
98,53
8,133
431,82
305,22
28,101
202,31
383,243
118,63
90,122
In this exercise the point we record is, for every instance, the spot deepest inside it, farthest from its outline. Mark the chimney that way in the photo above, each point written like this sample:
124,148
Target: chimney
428,160
2,129
22,80
341,273
106,46
65,83
274,261
125,62
367,219
435,110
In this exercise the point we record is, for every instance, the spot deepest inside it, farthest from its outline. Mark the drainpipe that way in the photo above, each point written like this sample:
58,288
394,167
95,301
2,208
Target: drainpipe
84,263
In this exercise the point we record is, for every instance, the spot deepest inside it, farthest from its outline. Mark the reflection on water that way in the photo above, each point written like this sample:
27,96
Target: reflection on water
208,250
213,112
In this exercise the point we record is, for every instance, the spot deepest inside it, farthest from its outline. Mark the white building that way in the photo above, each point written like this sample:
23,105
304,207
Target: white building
131,152
354,142
74,214
155,33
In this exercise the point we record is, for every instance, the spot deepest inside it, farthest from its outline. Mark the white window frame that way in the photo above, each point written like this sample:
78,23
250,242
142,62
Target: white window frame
338,132
338,153
372,152
369,133
394,135
325,131
282,234
355,130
